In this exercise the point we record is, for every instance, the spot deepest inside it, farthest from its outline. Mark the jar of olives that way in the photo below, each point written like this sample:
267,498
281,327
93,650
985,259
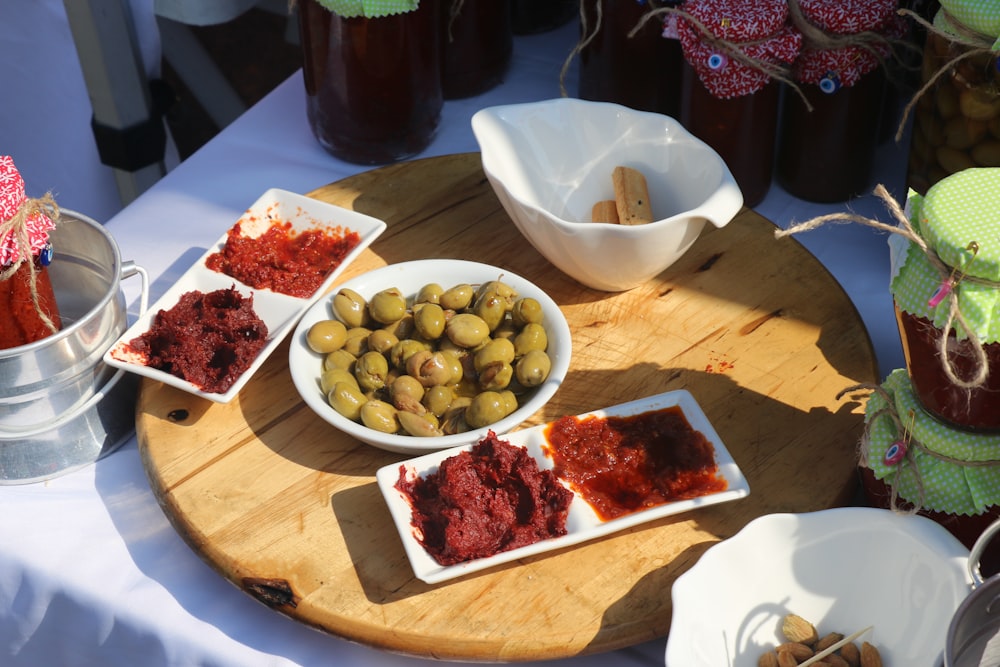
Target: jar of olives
729,94
28,309
956,121
373,82
828,135
627,61
945,291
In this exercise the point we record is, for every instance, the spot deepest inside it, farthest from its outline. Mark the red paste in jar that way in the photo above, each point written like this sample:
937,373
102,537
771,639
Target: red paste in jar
621,465
281,260
482,502
208,339
20,321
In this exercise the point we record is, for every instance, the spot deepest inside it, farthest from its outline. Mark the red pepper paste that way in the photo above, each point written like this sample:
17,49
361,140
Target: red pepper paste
485,501
281,260
20,322
621,465
207,339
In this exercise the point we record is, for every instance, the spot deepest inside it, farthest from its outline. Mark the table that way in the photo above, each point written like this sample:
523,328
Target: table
91,571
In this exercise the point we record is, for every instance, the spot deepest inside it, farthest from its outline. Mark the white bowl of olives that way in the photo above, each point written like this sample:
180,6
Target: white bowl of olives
425,355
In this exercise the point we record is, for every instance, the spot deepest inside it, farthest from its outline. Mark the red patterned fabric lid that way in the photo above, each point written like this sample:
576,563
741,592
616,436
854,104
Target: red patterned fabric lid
758,30
12,197
832,69
849,17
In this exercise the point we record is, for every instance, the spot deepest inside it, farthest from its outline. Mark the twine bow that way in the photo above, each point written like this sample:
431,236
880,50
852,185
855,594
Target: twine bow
16,229
955,317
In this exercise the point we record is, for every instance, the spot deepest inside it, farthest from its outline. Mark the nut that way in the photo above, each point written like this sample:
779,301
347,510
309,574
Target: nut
870,656
851,654
799,651
797,629
828,639
786,659
769,659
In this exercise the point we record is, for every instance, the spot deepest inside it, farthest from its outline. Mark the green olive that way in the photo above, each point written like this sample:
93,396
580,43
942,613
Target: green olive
453,420
509,400
429,368
429,293
387,306
350,307
457,297
380,416
333,376
492,308
467,330
532,337
401,328
526,310
456,361
381,340
326,336
438,399
485,408
507,329
339,359
371,371
357,340
495,376
403,350
429,321
347,399
533,368
408,386
421,426
496,349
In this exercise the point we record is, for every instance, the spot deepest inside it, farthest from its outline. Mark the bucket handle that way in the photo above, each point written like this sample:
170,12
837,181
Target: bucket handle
976,553
128,269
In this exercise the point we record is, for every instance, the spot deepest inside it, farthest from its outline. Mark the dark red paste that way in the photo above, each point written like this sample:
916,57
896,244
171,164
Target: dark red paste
206,339
20,319
485,501
281,260
621,465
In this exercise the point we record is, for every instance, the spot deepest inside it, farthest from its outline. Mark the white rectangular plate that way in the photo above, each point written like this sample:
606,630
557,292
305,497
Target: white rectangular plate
582,524
280,312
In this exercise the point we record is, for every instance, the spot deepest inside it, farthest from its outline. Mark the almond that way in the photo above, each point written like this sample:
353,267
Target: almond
835,660
827,640
797,629
851,654
870,656
769,659
786,659
799,651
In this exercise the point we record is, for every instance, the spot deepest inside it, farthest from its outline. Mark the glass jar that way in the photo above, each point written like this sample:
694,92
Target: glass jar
826,150
730,104
529,17
28,309
476,45
642,72
956,122
373,85
944,302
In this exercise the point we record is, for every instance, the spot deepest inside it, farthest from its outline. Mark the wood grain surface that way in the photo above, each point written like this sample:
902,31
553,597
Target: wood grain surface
286,507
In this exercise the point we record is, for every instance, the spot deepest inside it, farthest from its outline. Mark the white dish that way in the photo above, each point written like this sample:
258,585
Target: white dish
279,312
306,365
549,162
842,569
582,524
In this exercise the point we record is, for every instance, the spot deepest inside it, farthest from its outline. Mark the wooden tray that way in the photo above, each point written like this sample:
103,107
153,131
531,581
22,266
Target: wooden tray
286,507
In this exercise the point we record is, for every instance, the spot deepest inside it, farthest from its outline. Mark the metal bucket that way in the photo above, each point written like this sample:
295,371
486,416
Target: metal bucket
61,406
973,638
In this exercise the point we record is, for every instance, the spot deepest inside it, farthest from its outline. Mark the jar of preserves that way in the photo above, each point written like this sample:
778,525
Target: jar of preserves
476,45
373,83
914,463
946,296
828,135
640,70
956,116
736,54
27,299
529,17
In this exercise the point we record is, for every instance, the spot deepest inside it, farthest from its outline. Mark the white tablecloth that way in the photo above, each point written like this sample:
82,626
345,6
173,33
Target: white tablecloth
92,573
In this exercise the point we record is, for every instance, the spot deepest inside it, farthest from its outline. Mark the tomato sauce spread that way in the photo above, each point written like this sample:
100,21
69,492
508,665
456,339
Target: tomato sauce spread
281,260
621,465
485,501
208,339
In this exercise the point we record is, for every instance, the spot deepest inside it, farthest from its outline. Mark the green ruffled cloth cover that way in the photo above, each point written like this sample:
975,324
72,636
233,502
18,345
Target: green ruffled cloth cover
982,16
957,210
944,470
369,8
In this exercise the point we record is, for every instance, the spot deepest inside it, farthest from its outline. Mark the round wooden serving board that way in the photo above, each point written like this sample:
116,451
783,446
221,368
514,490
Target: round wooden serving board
286,507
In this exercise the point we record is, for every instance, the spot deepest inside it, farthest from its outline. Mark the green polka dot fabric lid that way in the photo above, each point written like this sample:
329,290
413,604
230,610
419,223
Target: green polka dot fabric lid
958,219
369,8
981,16
924,461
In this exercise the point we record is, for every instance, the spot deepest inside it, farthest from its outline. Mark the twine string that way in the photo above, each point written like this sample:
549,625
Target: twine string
16,228
977,43
955,318
588,37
